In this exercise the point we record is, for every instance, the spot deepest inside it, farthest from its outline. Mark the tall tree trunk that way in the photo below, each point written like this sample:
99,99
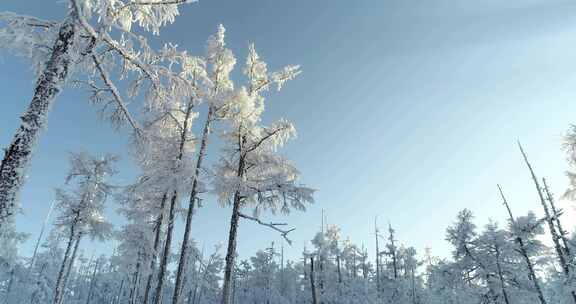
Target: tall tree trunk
58,288
164,259
232,242
18,155
550,221
312,283
231,252
524,252
70,264
158,230
193,197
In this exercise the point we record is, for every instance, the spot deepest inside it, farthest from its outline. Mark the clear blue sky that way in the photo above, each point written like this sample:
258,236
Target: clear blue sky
407,109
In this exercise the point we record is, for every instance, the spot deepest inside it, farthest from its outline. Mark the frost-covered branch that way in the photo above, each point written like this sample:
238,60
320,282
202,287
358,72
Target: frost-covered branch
273,226
121,105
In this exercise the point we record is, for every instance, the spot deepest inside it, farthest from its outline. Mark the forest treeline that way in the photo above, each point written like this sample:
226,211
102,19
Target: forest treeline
158,96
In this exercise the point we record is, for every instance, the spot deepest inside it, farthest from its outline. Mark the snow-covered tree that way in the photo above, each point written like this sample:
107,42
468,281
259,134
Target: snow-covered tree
81,209
250,173
74,46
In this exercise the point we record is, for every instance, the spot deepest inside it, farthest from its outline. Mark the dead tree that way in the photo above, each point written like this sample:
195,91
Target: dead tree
550,221
523,251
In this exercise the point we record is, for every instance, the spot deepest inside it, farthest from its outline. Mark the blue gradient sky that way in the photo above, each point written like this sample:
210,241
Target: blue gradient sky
407,109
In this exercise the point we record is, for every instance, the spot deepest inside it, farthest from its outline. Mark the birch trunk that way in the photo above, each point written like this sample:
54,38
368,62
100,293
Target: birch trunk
49,84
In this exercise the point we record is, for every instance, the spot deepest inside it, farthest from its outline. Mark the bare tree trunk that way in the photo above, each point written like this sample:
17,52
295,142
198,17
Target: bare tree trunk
561,230
193,197
549,220
18,155
524,252
158,229
312,284
58,288
164,260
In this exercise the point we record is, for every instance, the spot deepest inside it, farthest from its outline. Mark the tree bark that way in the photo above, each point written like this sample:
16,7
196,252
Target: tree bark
18,155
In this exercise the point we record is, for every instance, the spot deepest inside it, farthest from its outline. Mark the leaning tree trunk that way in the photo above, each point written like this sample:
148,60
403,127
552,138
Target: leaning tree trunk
561,231
523,251
550,221
193,196
17,156
58,289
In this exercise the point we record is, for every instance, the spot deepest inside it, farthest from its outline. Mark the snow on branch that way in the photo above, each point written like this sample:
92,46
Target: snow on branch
273,226
121,113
